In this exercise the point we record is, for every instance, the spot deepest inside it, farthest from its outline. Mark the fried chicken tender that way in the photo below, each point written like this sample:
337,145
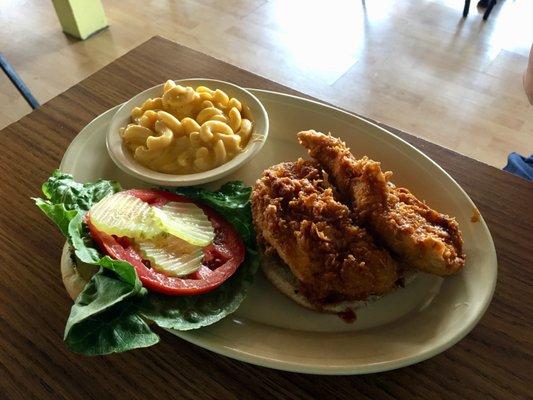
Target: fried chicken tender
420,236
294,209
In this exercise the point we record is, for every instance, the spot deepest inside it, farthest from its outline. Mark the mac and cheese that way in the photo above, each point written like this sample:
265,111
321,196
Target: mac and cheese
187,130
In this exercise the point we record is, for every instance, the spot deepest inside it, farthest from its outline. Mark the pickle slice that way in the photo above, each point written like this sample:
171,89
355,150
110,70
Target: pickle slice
171,255
186,221
122,214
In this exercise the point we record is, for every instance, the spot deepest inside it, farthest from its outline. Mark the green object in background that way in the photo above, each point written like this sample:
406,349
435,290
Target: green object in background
80,18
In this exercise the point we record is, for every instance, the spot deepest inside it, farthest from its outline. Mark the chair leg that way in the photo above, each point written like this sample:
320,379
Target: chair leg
17,81
491,5
467,7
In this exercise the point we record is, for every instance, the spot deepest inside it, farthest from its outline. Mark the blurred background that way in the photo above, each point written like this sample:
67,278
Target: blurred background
417,65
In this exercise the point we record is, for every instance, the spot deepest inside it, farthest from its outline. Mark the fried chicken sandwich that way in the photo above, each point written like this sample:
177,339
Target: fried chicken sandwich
335,232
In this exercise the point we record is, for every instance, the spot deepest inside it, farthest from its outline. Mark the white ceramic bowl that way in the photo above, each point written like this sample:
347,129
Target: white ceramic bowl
124,160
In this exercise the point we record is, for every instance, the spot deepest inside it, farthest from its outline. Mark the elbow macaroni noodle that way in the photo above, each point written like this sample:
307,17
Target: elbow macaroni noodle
186,130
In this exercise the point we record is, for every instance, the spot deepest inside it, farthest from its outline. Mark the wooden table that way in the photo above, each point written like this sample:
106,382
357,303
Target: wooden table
494,361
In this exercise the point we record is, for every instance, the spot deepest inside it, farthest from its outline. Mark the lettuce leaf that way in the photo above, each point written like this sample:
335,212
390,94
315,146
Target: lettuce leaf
112,312
80,239
61,188
57,213
66,198
232,201
104,318
192,312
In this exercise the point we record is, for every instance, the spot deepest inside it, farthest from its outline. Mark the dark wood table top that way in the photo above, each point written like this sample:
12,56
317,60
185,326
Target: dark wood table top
493,361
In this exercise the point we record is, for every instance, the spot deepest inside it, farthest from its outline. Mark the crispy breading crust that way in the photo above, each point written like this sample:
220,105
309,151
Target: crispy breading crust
420,236
295,211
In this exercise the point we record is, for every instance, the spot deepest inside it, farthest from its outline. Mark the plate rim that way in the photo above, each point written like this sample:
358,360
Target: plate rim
325,369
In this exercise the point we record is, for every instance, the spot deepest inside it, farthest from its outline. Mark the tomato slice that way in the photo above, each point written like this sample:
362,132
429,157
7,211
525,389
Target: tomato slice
221,258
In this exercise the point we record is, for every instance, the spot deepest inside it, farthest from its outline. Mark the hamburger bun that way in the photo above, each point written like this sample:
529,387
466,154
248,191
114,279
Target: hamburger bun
74,273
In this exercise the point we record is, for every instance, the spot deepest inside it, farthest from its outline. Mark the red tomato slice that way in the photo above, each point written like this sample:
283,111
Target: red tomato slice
221,258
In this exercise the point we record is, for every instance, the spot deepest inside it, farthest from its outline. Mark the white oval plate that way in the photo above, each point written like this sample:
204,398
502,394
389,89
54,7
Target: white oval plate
405,327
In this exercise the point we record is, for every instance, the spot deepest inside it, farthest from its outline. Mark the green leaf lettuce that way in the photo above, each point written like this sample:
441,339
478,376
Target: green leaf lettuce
112,313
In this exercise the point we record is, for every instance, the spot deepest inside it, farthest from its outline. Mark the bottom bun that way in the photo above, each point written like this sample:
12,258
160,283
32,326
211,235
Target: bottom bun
73,281
280,275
